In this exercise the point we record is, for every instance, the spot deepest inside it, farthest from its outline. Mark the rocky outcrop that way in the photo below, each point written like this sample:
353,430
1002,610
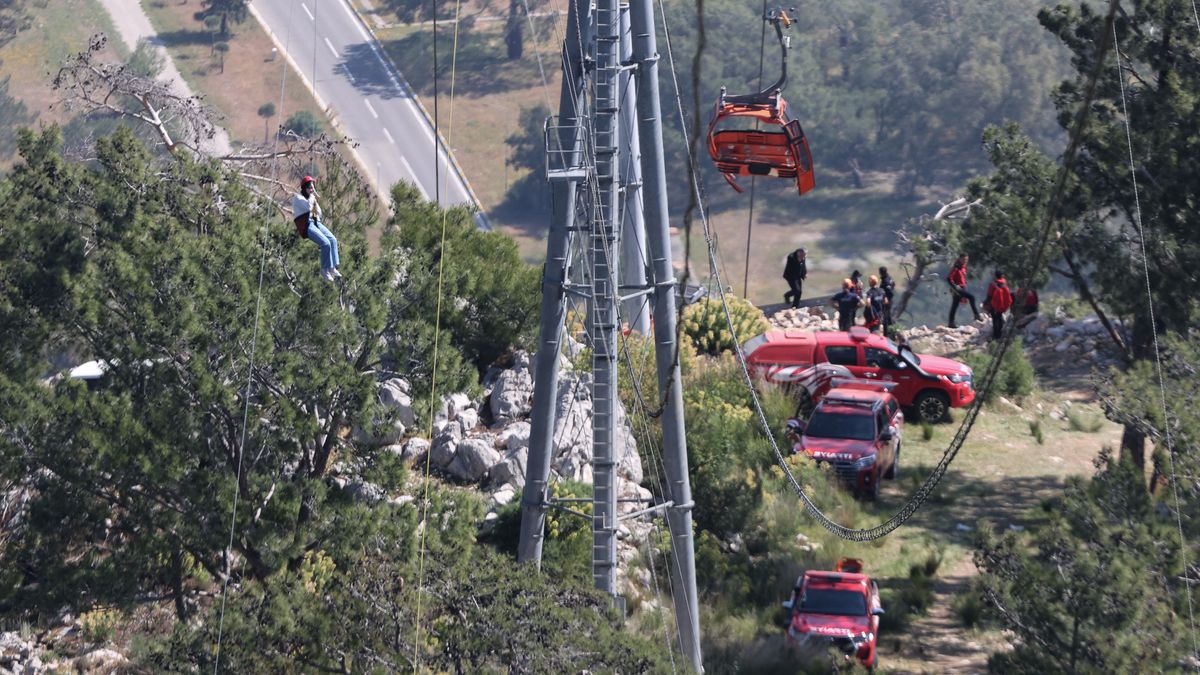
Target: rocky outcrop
34,655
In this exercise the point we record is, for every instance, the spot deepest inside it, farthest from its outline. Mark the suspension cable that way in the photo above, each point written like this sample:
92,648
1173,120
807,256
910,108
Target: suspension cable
1162,388
262,262
437,326
762,51
918,498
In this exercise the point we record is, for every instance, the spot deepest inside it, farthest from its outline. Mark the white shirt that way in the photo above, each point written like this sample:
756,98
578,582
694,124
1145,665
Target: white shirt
302,205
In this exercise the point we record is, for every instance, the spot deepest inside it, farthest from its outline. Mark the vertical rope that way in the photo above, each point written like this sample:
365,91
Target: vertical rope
437,331
1162,388
762,50
262,262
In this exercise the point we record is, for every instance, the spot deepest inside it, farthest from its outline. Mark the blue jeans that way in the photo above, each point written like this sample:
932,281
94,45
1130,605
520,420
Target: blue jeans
328,243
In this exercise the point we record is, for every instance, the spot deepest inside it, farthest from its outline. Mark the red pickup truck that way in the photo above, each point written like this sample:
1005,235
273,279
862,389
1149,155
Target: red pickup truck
839,608
930,385
856,428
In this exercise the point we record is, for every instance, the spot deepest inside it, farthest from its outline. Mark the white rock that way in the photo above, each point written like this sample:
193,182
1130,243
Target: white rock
394,395
443,449
100,661
510,470
468,418
415,447
516,435
504,495
512,394
473,458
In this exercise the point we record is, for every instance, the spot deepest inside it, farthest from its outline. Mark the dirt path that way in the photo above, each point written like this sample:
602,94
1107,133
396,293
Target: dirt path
133,25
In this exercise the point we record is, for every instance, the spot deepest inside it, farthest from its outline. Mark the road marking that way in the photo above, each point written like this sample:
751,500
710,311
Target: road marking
413,174
373,113
310,14
330,45
350,76
391,140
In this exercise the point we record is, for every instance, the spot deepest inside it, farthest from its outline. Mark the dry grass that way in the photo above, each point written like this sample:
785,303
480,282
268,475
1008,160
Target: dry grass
250,78
59,29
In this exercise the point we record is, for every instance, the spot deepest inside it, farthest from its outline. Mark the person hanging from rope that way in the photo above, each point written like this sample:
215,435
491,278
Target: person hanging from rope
999,299
847,302
874,308
795,271
307,216
957,278
888,284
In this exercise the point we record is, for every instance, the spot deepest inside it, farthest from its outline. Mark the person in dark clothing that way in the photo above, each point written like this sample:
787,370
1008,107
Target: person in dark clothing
888,284
957,278
999,299
856,280
795,271
873,305
847,302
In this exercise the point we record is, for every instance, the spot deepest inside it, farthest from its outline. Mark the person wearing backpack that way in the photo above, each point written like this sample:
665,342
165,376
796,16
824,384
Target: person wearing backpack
888,284
876,301
795,271
999,300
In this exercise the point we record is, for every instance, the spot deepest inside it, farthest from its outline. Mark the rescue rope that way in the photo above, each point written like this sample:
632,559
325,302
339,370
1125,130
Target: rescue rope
919,497
1162,388
437,324
262,262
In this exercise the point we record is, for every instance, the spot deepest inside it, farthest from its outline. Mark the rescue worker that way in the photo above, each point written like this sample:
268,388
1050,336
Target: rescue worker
888,284
306,215
847,302
1028,298
874,305
999,300
957,278
795,271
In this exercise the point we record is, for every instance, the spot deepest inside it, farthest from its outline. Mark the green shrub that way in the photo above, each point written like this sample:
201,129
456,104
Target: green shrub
926,430
302,123
1079,421
1015,377
969,608
99,625
1035,428
705,323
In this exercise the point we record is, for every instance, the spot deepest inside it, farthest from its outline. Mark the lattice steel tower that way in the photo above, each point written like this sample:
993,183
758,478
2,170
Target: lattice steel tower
604,161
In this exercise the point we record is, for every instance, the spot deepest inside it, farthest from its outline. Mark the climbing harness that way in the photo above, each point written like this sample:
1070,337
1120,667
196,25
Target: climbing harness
779,149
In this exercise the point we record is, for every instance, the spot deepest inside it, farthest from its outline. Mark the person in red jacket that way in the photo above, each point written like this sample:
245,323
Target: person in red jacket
999,299
957,278
1028,298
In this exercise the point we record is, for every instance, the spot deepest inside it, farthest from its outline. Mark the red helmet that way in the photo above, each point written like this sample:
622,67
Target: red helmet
306,180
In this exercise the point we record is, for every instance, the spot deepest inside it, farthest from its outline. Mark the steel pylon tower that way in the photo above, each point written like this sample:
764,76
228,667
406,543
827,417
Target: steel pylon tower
604,162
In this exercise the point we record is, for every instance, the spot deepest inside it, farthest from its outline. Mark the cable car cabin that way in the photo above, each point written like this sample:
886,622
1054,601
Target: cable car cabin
777,148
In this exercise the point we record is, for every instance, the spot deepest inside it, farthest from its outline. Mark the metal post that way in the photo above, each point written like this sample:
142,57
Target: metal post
554,275
633,236
679,516
602,306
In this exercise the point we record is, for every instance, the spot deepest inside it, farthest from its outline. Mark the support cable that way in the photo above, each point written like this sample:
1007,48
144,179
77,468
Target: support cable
918,498
762,51
437,328
262,262
1162,388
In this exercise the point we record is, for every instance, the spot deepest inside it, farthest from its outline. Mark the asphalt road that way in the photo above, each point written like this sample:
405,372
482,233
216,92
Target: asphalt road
339,58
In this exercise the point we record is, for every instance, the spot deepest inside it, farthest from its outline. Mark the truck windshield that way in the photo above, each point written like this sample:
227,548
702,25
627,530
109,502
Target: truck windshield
857,427
830,601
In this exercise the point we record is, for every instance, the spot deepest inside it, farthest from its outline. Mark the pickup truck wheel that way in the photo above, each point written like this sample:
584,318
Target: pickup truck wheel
894,472
932,406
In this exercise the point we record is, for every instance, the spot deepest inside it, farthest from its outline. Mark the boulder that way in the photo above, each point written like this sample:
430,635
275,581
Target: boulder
101,661
504,495
395,396
415,447
472,459
468,418
443,449
512,394
365,492
515,436
456,403
511,469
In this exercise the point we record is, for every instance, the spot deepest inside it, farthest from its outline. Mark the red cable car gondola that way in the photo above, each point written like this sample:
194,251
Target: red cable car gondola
777,146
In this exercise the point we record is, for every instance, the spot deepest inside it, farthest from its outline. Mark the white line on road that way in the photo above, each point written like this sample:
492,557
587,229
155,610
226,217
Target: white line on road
393,142
413,174
310,15
373,113
330,45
